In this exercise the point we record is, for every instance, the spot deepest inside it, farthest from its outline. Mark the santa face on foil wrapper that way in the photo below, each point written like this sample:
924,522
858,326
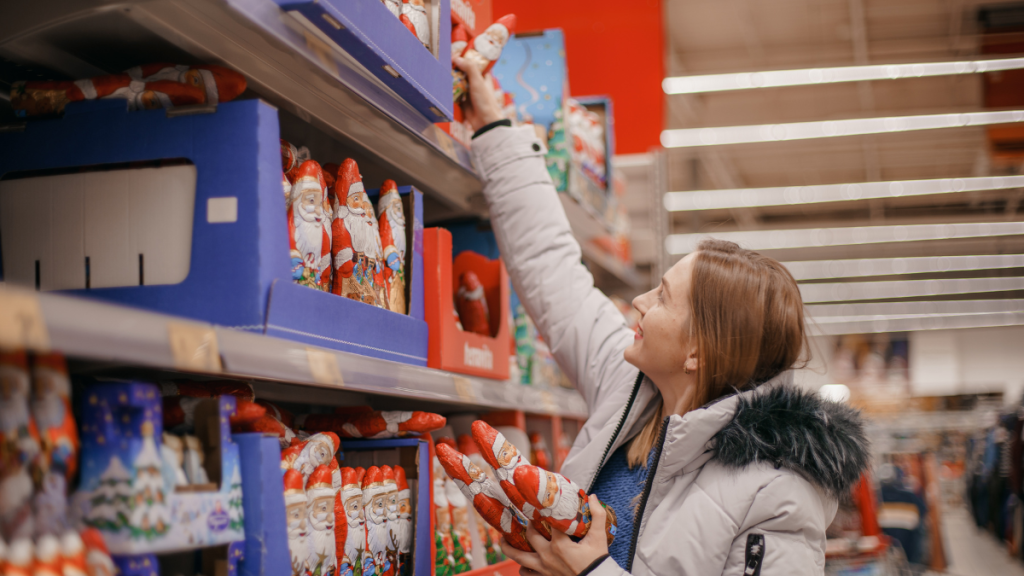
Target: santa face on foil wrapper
318,450
356,249
311,258
484,50
322,558
488,499
560,502
417,15
298,529
402,526
391,224
378,533
354,527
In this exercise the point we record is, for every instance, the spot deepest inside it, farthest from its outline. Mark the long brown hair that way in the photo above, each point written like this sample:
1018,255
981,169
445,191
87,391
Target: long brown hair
747,317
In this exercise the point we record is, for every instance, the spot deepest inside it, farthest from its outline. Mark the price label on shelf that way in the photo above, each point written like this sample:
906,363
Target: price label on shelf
21,322
194,347
465,389
547,400
324,367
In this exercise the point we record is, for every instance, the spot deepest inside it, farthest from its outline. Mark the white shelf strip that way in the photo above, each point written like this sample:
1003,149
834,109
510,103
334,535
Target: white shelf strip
795,195
841,291
817,269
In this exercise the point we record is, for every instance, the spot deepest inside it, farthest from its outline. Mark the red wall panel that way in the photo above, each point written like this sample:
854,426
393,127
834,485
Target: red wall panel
613,47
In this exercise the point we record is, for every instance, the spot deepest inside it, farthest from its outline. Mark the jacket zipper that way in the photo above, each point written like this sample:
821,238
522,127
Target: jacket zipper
618,428
639,518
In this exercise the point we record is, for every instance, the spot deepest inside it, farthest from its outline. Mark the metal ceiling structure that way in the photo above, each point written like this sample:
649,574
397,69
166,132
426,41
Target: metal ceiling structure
769,185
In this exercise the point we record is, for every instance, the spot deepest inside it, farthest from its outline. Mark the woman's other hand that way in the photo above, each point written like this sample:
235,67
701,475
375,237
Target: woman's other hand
482,108
561,556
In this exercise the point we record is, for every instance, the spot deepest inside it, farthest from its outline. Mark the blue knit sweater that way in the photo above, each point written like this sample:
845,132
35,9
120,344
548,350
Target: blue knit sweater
617,486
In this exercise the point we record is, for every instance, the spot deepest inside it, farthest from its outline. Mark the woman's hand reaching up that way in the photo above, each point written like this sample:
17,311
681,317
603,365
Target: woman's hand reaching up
482,107
561,556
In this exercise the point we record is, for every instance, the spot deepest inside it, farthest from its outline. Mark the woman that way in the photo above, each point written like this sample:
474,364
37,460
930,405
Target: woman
713,460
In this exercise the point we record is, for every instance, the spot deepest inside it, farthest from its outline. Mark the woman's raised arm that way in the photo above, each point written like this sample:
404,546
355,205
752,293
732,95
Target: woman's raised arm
585,331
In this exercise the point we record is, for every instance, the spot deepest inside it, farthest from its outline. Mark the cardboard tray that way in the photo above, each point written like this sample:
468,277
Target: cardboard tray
413,454
368,32
238,269
450,348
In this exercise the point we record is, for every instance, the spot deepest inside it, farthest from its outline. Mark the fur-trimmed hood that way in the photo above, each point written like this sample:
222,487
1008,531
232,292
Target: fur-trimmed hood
792,428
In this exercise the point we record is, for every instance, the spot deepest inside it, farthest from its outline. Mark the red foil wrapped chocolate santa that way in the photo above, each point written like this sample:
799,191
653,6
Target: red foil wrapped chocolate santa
391,222
358,258
374,424
310,227
416,14
489,500
350,534
562,504
471,303
503,456
485,49
321,554
296,513
378,530
144,87
402,526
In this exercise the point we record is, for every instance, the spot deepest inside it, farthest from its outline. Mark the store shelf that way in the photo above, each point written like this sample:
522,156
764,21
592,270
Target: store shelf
626,273
285,64
97,331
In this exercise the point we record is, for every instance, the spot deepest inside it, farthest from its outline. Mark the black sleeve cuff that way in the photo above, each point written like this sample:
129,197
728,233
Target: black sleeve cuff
505,122
593,565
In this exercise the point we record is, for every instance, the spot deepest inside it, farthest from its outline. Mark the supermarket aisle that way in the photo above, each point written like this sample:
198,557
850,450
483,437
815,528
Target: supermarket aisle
972,552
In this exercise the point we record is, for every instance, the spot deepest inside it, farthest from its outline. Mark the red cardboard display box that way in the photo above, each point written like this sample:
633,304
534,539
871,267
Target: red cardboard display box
450,348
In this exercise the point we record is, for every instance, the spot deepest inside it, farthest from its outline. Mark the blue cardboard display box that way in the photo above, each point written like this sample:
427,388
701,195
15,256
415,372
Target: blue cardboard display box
413,454
367,31
266,534
128,491
217,254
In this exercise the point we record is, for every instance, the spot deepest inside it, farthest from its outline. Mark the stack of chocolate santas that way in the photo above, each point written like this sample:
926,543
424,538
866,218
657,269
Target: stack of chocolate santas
38,460
349,521
337,244
413,14
518,493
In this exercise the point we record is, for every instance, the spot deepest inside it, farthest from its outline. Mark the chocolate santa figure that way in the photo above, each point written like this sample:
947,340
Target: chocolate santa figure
462,543
391,223
51,408
378,532
503,456
97,558
489,500
291,158
471,303
317,450
484,50
444,561
393,6
374,424
322,557
72,554
19,447
144,87
417,14
298,528
391,507
402,526
489,535
48,560
21,556
358,258
351,526
539,448
562,504
311,230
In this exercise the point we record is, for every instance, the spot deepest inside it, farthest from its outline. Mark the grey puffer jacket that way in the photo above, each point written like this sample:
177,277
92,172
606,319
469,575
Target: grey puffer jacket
744,486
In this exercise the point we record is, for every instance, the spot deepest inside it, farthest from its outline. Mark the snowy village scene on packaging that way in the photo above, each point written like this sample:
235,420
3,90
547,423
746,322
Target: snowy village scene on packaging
135,487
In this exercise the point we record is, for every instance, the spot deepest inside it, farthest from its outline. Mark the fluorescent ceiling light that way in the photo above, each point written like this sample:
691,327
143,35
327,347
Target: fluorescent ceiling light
824,313
776,78
815,269
821,237
880,324
790,195
688,137
840,291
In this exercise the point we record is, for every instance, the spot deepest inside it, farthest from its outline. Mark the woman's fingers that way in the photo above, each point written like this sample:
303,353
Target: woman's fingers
539,543
525,559
598,518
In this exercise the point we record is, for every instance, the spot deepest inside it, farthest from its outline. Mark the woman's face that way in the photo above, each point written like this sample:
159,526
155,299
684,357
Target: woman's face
662,342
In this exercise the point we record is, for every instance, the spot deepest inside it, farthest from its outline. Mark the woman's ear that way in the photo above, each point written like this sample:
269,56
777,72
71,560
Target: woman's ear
692,362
